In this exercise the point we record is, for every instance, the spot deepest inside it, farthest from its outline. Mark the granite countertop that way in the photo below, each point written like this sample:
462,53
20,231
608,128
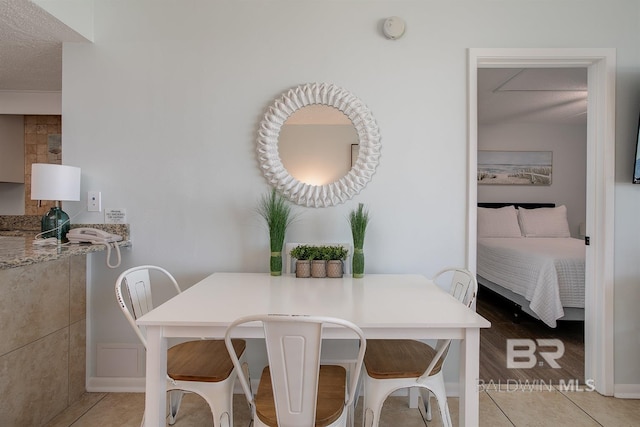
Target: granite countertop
17,248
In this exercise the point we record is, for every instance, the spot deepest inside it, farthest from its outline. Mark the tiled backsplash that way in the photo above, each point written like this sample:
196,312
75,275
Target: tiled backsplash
42,144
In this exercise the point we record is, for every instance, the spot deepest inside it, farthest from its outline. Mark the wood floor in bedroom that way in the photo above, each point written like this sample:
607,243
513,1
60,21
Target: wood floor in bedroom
493,346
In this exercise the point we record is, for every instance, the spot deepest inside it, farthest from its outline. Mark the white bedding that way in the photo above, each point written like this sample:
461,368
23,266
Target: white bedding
548,272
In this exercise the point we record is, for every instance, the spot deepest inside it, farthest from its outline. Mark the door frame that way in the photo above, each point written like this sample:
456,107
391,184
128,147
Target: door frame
601,70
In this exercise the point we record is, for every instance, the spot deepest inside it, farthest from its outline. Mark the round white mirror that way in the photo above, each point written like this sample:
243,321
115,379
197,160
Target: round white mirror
318,145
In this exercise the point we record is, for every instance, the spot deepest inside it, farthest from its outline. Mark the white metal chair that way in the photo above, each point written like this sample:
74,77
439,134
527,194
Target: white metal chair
202,367
295,389
391,365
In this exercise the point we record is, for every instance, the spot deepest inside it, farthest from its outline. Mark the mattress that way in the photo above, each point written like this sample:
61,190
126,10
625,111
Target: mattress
547,272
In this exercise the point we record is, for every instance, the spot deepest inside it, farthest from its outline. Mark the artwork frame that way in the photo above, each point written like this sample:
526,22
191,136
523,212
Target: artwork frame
515,167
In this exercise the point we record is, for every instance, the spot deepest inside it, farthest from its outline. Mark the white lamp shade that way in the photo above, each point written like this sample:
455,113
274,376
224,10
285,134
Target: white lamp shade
55,182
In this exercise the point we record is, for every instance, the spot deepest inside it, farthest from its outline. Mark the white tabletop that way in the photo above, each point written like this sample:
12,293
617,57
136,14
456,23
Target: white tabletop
373,302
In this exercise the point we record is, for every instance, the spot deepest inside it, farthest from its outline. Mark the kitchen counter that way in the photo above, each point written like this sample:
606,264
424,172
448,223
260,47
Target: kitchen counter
43,339
17,248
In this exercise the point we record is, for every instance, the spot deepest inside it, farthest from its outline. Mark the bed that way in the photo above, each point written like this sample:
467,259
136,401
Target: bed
526,254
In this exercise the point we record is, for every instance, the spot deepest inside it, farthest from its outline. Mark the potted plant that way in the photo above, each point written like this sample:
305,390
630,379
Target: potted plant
336,255
277,213
317,255
303,263
358,220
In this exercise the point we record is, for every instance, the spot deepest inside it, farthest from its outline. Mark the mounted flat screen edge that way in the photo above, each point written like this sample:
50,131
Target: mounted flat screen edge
636,164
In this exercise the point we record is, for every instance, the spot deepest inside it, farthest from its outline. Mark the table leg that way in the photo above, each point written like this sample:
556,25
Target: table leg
469,374
155,402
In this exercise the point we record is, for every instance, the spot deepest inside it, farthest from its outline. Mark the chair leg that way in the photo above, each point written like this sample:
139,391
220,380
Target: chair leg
444,412
426,395
175,398
221,405
438,390
374,398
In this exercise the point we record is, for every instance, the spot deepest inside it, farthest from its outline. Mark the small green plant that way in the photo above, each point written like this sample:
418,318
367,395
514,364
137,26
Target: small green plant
325,253
278,215
301,252
336,253
315,252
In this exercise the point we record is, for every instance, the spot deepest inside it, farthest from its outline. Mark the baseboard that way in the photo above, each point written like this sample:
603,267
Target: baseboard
626,391
116,385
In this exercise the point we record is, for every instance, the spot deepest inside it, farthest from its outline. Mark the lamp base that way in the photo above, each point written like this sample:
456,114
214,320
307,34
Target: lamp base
55,223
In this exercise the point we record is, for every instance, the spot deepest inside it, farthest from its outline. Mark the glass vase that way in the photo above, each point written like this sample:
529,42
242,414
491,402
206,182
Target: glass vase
358,263
55,224
275,263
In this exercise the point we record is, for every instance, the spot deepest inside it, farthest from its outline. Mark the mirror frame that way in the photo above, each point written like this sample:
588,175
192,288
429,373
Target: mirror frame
318,195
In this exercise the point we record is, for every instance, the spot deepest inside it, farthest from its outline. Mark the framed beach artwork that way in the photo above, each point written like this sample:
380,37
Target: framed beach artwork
515,167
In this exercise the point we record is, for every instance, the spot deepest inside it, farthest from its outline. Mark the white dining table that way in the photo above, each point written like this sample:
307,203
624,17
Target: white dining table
382,305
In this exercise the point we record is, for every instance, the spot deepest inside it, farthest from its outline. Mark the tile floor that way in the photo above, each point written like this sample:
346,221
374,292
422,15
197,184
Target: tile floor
498,407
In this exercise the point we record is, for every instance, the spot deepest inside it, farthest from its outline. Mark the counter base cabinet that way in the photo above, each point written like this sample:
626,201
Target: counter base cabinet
42,340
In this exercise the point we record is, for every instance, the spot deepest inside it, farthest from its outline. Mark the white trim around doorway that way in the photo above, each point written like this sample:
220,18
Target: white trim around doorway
601,68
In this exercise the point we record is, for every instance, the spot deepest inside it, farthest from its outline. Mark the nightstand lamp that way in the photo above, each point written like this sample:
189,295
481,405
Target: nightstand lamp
57,183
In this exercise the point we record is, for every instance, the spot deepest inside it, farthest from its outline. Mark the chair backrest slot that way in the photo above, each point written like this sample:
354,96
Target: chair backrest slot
293,350
463,285
139,289
137,283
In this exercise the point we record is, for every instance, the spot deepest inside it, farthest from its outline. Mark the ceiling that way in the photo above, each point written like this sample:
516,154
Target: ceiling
532,95
31,47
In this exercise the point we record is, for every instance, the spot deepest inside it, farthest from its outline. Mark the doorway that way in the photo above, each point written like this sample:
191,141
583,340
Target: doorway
600,66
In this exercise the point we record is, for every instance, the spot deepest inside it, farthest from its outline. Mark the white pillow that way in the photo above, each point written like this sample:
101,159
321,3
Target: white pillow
544,222
500,222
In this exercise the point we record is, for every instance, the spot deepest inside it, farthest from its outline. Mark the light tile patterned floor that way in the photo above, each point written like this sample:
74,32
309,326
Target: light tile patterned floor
497,408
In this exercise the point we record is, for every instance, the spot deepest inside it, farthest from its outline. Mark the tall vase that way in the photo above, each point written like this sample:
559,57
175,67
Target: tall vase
358,263
276,263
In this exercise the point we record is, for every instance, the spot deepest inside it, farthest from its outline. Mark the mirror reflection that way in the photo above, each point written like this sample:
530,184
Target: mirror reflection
318,144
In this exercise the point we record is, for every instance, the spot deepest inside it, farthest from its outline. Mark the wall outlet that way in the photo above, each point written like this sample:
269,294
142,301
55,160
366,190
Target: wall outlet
94,201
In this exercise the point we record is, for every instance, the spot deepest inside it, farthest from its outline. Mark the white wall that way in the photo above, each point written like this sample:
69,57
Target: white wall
569,146
161,113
